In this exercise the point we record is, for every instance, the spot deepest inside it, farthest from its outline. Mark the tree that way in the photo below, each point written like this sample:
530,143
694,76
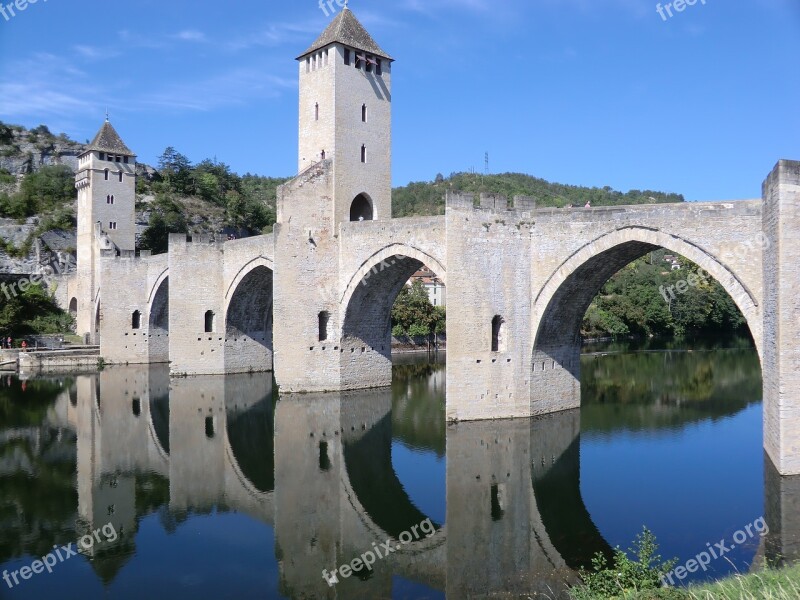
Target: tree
176,170
413,311
167,218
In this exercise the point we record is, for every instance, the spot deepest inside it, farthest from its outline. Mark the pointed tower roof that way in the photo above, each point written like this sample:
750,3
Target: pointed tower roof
345,29
108,140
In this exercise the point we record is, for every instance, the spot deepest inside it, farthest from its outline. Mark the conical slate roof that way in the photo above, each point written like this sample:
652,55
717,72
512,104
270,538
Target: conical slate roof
345,29
108,140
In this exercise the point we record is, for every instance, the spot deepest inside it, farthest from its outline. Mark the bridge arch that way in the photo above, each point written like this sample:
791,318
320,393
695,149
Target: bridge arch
560,305
248,318
158,320
366,331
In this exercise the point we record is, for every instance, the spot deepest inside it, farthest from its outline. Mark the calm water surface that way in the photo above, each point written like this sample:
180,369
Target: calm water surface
219,489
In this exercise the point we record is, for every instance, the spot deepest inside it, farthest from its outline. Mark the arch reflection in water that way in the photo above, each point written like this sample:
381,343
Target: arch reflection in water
515,518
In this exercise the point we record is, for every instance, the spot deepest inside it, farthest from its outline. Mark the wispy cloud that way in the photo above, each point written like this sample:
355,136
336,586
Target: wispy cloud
44,86
190,36
238,87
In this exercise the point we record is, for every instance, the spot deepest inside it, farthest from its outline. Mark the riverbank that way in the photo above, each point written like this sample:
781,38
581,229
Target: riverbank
768,584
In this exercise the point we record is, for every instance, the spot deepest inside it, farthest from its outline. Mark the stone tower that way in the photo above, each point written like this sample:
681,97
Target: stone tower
106,183
346,117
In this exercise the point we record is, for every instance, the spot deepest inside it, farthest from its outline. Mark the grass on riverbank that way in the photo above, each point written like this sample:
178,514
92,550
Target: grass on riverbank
769,584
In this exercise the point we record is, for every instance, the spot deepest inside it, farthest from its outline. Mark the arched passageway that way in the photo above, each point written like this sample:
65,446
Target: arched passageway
248,330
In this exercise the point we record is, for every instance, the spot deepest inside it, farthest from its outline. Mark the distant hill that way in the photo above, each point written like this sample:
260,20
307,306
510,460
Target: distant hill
176,196
427,198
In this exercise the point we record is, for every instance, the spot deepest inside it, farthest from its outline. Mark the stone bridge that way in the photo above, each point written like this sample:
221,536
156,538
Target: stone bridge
313,298
315,301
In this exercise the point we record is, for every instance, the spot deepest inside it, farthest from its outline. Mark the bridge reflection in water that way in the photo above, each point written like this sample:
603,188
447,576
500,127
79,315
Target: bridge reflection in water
318,469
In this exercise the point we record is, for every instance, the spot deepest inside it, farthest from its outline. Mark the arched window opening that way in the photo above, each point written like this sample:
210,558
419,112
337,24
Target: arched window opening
361,209
498,334
210,321
323,321
136,320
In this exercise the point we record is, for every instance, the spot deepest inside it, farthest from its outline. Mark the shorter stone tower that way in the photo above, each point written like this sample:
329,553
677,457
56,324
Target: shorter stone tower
106,183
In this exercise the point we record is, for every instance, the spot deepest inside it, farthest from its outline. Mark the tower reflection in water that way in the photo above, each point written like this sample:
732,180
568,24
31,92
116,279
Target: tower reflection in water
273,492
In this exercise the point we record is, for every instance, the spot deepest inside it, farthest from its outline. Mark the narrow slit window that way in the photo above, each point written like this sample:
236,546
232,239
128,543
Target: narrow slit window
120,176
322,325
316,111
106,174
210,427
363,153
363,113
324,459
210,319
347,56
498,334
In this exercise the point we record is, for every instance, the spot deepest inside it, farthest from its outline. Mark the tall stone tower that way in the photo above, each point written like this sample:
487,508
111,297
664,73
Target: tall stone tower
106,183
346,117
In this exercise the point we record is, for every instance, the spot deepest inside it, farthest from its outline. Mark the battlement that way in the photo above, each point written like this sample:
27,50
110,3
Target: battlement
494,202
125,254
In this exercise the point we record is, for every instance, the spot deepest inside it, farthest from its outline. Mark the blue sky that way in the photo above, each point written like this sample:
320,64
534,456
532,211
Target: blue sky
589,92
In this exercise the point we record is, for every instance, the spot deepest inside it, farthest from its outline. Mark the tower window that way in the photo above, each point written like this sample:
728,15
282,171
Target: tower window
102,156
498,334
118,158
316,111
112,225
210,319
136,320
363,153
347,56
125,160
361,209
326,58
323,320
120,176
363,113
308,64
106,174
378,69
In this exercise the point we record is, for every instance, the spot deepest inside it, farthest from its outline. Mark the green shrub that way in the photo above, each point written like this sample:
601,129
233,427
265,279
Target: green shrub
625,576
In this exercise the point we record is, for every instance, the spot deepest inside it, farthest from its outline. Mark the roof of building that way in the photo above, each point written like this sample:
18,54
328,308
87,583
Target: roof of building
346,29
108,140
